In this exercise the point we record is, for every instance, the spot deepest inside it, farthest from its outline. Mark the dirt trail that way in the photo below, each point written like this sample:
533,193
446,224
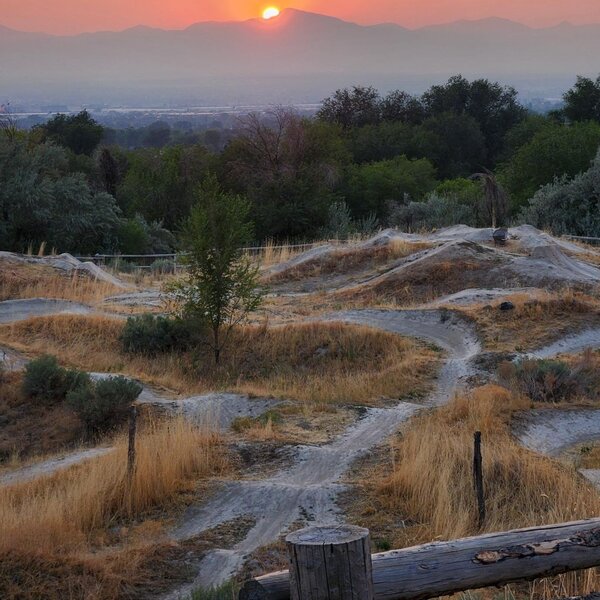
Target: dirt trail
47,467
17,310
590,338
308,490
551,431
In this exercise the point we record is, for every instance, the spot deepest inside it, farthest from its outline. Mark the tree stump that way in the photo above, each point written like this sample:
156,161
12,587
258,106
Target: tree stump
330,563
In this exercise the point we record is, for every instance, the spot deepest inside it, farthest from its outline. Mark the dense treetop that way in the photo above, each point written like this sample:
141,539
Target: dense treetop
365,160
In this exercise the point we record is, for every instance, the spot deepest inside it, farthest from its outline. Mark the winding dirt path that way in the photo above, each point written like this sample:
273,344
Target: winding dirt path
551,431
308,490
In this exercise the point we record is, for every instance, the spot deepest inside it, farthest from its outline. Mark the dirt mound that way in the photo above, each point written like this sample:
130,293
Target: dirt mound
462,232
64,264
446,269
473,296
452,268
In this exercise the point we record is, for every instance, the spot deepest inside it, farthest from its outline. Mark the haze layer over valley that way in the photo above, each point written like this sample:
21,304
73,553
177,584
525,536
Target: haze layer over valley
297,57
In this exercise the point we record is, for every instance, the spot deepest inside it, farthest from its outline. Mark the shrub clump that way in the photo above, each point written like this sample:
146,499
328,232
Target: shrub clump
151,335
103,404
546,380
47,381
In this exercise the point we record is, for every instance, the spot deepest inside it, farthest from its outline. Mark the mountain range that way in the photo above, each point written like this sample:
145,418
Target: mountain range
298,57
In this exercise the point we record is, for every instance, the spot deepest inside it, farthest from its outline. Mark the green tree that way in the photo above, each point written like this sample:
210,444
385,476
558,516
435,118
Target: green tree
453,142
287,167
568,205
380,142
160,184
554,151
79,133
399,106
465,193
368,188
352,107
221,287
494,107
41,201
582,101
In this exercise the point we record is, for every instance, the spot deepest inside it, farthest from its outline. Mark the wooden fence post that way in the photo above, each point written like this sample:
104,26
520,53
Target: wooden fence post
478,479
330,563
131,446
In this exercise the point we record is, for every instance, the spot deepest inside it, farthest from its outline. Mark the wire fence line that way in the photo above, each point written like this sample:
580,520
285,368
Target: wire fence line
595,241
175,257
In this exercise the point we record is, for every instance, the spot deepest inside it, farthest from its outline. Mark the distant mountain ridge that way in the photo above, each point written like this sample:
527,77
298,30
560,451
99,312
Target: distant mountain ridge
299,52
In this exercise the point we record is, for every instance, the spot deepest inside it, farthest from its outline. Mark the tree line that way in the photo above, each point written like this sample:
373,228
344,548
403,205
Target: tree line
365,160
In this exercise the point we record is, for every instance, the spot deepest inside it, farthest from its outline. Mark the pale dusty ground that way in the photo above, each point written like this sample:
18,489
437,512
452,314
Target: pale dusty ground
307,490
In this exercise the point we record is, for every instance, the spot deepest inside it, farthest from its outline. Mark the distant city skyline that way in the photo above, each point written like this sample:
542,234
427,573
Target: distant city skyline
78,16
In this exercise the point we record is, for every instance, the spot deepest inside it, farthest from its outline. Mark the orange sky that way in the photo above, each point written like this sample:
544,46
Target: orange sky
74,16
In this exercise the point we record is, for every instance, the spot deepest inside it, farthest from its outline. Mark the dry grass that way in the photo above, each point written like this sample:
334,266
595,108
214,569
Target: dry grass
315,363
429,481
420,283
60,512
273,253
81,533
534,321
350,259
39,281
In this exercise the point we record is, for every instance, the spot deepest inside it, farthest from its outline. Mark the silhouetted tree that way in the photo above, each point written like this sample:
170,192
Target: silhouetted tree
108,170
352,107
582,101
79,133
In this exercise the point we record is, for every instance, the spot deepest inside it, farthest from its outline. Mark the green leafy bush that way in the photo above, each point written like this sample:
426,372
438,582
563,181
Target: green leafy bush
47,381
151,335
103,404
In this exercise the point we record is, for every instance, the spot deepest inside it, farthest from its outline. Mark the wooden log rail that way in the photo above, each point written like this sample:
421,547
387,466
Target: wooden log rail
444,568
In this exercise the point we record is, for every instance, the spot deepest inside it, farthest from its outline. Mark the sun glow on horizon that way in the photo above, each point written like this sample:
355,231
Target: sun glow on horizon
270,13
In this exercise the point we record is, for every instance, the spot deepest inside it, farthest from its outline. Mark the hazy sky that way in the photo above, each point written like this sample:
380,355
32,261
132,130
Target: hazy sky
74,16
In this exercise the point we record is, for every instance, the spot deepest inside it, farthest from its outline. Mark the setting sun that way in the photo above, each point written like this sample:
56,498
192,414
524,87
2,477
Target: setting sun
270,13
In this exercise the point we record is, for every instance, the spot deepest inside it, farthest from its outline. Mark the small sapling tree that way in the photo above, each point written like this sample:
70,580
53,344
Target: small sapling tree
221,285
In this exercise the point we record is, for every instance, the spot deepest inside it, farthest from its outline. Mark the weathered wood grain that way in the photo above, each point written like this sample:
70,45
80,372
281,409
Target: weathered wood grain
330,563
443,568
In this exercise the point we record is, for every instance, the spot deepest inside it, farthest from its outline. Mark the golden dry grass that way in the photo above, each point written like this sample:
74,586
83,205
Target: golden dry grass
62,511
428,481
314,362
37,281
273,253
420,283
348,259
534,321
